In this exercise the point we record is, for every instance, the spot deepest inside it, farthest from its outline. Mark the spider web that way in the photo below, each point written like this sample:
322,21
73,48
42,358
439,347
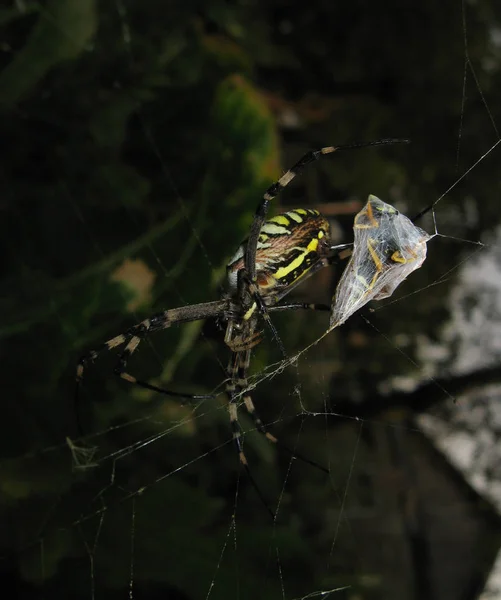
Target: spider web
151,501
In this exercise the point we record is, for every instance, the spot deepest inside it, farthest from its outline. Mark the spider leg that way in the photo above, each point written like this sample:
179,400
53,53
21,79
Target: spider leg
251,409
133,336
237,382
243,368
233,389
263,310
134,342
300,306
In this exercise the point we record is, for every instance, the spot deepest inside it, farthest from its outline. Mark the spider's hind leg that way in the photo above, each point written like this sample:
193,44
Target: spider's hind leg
234,387
237,384
260,426
239,376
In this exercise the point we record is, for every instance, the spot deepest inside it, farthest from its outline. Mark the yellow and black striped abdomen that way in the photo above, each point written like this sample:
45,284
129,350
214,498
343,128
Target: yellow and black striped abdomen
289,245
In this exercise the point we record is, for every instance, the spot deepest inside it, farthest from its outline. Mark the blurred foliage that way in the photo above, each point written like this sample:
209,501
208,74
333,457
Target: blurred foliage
140,138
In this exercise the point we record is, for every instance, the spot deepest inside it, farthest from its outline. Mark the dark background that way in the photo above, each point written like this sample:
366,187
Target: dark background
137,139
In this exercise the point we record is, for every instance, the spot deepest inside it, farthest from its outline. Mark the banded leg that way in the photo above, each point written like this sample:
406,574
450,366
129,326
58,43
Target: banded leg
263,310
133,337
249,405
120,369
240,367
246,286
233,389
276,188
237,372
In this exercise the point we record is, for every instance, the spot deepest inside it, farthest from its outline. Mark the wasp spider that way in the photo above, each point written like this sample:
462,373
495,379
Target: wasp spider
279,254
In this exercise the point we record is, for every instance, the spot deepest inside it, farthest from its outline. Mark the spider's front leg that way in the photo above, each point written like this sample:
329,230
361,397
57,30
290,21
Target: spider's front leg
133,337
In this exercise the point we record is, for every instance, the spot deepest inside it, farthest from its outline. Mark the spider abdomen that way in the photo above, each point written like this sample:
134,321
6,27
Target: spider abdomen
289,245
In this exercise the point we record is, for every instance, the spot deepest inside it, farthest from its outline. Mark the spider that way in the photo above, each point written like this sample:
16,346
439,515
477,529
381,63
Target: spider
279,254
